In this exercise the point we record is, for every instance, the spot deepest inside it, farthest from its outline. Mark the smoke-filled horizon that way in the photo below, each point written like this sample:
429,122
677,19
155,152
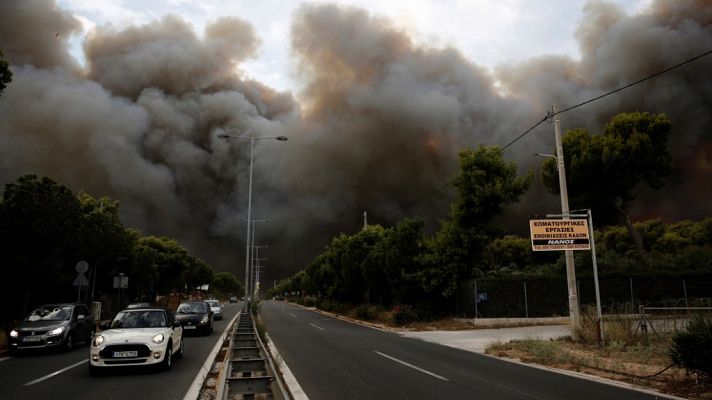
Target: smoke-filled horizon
379,123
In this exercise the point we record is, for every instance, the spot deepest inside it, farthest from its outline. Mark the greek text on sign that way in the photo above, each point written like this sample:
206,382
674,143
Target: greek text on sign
559,234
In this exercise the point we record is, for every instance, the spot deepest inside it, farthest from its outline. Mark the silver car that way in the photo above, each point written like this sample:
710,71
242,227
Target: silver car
216,307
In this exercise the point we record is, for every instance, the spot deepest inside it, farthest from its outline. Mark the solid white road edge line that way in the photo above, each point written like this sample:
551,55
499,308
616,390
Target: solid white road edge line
317,327
194,390
44,378
289,379
412,366
293,316
4,359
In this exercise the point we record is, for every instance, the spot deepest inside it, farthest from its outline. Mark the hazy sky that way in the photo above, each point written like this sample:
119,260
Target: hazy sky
486,32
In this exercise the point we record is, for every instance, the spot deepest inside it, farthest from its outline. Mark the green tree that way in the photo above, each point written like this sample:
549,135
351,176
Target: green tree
486,185
171,262
39,232
603,170
104,242
226,283
398,255
5,73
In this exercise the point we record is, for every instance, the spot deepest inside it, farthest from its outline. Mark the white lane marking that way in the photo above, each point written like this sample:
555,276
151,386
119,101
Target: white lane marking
293,316
55,373
317,327
412,366
4,359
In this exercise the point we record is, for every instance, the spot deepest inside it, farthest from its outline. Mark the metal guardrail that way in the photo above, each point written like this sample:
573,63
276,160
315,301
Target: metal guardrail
250,372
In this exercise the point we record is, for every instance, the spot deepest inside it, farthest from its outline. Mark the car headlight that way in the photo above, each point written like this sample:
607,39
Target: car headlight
158,338
204,320
97,341
14,334
56,331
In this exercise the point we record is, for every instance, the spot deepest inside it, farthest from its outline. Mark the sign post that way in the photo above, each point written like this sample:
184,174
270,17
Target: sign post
81,280
553,234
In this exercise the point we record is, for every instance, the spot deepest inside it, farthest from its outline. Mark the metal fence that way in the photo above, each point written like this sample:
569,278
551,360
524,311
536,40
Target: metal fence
515,297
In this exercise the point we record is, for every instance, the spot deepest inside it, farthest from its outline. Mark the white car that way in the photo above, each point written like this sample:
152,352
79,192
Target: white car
216,307
137,337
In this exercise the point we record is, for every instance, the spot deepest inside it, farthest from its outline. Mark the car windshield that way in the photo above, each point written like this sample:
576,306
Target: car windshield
192,308
139,319
214,303
50,313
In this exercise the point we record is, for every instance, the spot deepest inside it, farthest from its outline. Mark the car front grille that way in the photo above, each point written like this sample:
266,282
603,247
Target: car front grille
141,349
32,333
125,362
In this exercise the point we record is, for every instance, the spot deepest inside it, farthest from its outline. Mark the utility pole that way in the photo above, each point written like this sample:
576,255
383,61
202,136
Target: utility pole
365,220
569,254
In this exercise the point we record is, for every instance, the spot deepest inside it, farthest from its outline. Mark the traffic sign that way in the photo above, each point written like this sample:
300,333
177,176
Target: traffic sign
81,280
82,267
559,234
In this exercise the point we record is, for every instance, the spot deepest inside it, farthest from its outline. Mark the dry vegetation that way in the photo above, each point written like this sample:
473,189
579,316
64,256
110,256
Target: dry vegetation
626,356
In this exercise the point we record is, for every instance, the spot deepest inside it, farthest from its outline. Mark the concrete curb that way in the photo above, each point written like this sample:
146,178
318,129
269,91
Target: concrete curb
194,390
581,375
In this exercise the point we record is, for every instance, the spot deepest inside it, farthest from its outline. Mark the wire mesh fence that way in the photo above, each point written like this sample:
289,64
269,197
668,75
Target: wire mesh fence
515,297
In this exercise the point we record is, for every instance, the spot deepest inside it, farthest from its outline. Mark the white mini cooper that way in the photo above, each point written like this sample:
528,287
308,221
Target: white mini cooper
137,337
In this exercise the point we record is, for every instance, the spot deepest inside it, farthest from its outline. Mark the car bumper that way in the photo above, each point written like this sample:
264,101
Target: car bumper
35,342
147,354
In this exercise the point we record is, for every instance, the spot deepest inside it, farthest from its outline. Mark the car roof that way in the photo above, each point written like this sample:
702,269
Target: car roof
147,308
59,305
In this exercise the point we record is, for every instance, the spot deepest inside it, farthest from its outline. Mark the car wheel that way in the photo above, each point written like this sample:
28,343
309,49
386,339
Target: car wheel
69,342
181,349
94,371
167,359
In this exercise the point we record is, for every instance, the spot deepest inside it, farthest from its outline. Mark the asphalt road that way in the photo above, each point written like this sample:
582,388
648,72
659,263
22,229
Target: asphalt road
65,375
333,359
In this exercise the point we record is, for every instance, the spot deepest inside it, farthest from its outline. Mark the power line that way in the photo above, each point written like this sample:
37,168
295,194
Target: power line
552,114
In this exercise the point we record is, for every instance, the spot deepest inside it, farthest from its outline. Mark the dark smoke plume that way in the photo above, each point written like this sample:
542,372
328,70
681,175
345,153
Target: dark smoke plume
380,122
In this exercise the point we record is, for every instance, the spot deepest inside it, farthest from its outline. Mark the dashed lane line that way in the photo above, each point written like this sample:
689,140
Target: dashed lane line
412,366
55,373
317,327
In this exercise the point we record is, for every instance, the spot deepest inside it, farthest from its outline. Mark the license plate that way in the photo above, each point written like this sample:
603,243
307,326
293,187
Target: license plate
31,339
125,354
189,327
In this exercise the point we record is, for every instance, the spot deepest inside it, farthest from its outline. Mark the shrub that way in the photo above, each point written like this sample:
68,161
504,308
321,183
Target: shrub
366,312
692,348
403,314
309,301
326,305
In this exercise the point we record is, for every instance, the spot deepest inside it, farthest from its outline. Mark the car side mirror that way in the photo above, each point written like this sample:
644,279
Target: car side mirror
177,324
104,326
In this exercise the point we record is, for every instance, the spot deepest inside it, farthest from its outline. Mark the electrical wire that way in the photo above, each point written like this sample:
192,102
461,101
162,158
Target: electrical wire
550,115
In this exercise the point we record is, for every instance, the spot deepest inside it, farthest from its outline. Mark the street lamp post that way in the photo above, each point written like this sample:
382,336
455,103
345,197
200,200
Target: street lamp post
249,204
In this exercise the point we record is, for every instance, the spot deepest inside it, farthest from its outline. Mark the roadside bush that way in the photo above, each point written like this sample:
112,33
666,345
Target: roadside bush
255,307
309,301
692,348
403,314
326,305
367,312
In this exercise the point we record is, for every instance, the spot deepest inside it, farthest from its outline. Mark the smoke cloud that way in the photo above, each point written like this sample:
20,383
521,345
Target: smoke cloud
379,123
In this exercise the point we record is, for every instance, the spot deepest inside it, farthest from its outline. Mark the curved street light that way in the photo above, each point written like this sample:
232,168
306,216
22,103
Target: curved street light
249,203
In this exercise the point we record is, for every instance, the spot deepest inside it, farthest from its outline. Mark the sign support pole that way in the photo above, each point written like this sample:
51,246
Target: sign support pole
595,277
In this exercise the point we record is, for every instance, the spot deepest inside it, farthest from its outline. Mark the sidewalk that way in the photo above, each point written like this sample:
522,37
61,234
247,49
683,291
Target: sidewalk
477,340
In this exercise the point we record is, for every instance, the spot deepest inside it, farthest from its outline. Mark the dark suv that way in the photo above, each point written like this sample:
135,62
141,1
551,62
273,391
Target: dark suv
53,326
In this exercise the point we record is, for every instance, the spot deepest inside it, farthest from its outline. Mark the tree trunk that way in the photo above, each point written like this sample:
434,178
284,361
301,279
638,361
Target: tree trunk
635,236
